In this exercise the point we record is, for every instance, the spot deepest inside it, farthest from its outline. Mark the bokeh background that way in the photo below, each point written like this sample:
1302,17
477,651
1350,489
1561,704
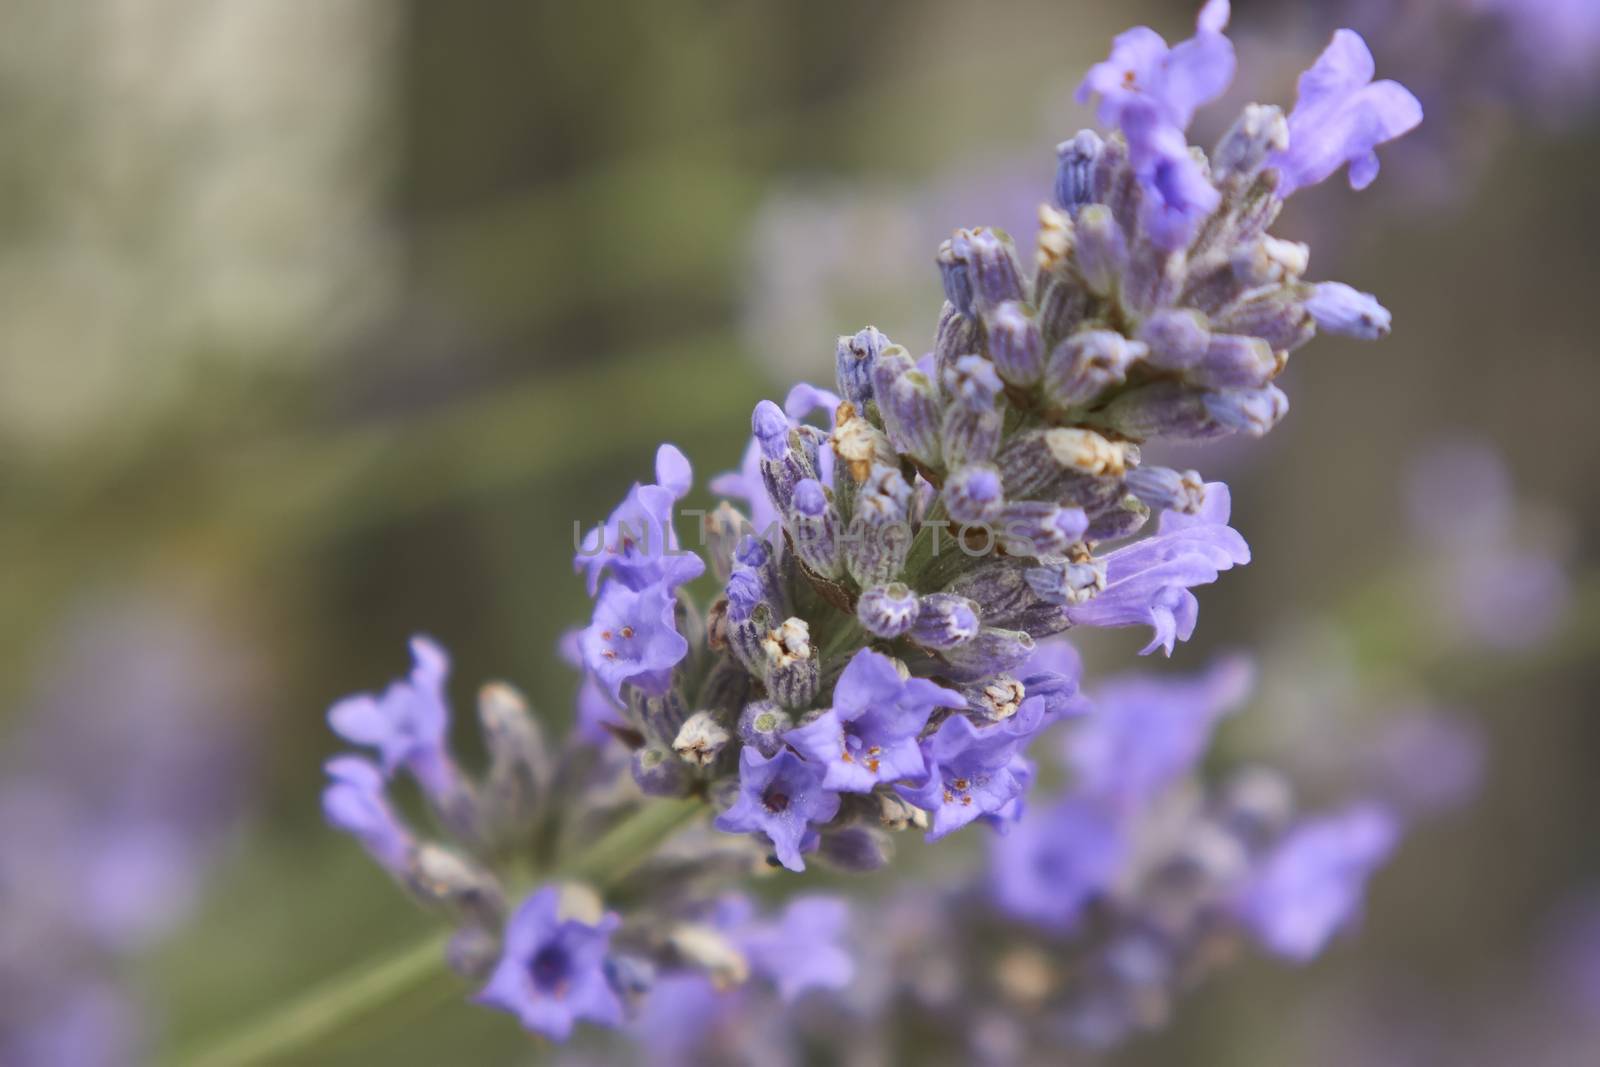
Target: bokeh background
322,323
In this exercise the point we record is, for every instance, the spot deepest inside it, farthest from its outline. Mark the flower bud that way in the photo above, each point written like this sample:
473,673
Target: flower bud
945,620
1086,452
658,772
1015,344
973,494
519,763
815,529
854,361
1259,131
1075,162
700,740
1232,361
957,335
1067,582
993,272
1248,411
762,725
1165,489
439,876
1086,364
724,527
1046,529
1102,251
1175,338
992,651
860,445
1124,519
997,698
953,275
792,672
879,537
887,611
1342,310
909,404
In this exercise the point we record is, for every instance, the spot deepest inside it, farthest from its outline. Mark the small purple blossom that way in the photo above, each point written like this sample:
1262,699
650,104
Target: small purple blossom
1055,859
552,972
745,484
780,796
974,770
1172,82
407,723
1311,885
634,639
354,801
801,950
1341,116
1148,582
1145,732
870,733
637,544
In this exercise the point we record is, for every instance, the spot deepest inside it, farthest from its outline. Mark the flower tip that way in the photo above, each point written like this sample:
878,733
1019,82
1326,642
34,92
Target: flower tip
673,471
1214,16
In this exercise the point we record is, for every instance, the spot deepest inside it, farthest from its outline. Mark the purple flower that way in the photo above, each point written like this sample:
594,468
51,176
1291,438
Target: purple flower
1143,72
1311,885
802,949
1145,732
1341,115
354,801
780,796
1055,860
634,639
1151,92
869,735
407,724
974,770
552,972
637,544
1148,582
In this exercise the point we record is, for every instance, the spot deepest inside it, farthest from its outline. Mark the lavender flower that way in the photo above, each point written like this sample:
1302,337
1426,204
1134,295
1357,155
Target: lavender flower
408,723
870,733
1341,116
974,770
781,796
354,801
1148,582
1311,886
552,972
637,544
1147,731
1055,860
798,952
634,639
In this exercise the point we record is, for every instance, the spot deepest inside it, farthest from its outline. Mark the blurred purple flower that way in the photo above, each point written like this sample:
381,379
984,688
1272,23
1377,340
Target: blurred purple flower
1311,885
799,951
1341,115
354,801
407,723
1146,731
1055,859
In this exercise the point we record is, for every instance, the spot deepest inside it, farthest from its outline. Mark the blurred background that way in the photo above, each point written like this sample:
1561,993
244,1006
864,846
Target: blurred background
322,323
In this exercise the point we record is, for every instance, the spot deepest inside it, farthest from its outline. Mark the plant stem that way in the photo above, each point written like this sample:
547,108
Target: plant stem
291,1031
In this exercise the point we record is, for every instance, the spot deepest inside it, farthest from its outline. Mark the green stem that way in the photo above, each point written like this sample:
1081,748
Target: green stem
291,1031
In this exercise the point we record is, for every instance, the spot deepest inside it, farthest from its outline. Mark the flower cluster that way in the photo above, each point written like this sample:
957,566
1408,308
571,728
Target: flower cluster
885,643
